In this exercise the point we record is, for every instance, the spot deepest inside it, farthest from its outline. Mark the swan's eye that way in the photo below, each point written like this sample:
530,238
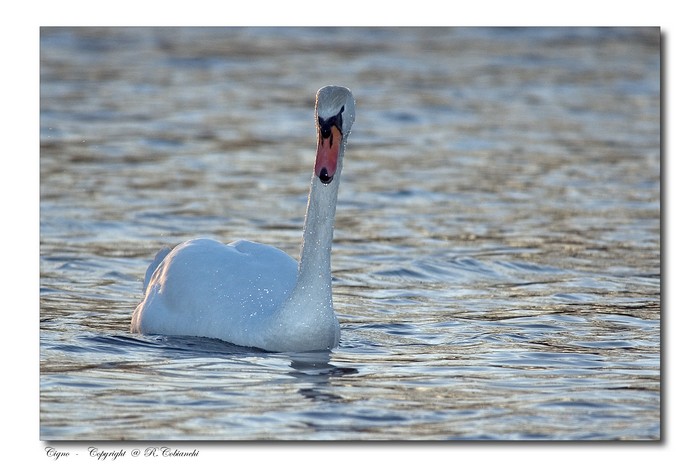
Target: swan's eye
339,119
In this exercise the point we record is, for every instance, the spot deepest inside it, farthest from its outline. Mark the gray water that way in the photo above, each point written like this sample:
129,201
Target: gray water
497,249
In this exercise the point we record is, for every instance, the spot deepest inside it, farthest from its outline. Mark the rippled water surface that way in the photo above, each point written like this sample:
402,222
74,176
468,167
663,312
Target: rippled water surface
497,250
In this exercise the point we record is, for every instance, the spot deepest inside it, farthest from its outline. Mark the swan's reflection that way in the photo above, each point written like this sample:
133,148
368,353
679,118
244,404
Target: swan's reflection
315,368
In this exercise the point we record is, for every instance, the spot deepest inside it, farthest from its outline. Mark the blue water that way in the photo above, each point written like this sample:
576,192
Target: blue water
497,250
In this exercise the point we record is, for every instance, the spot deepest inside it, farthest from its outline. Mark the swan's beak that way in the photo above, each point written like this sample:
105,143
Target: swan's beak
329,141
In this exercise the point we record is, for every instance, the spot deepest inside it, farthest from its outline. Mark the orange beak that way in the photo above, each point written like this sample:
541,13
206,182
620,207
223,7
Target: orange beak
327,155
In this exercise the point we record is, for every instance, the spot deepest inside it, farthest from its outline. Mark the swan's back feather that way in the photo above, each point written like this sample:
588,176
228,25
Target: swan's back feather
205,288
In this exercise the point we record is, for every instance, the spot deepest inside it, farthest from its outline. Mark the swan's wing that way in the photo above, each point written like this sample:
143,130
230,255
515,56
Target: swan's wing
205,288
242,278
156,262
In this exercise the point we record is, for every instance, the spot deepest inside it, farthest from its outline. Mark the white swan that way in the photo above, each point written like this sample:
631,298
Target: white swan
251,294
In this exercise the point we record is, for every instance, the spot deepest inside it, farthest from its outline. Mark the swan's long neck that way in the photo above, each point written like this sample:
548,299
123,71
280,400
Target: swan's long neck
315,261
308,313
314,278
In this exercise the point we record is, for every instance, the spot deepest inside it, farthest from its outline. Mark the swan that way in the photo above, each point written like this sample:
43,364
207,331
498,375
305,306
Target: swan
251,294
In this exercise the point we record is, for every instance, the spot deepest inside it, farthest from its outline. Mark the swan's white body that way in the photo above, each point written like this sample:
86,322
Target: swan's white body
252,294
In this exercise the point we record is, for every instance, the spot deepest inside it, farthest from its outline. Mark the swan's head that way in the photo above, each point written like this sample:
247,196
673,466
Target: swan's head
335,114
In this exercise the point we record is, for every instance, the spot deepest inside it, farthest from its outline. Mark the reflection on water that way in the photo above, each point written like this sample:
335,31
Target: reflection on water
496,258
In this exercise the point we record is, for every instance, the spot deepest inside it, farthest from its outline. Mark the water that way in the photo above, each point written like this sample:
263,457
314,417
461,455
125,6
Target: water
497,250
